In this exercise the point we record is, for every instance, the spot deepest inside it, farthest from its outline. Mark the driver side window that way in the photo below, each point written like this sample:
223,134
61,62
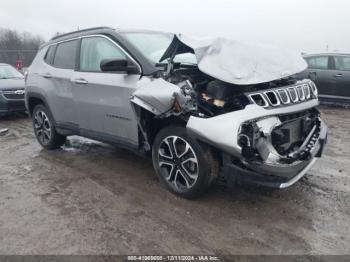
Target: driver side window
94,50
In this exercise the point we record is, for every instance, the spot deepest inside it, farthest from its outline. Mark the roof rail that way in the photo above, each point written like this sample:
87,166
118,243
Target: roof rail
80,31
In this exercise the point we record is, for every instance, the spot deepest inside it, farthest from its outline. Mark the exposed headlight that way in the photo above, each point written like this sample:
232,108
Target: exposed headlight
313,88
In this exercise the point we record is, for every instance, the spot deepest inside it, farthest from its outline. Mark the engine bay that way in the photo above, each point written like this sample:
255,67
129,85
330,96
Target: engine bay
211,97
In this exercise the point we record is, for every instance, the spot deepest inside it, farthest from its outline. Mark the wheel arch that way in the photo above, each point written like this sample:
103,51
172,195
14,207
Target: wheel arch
34,99
150,124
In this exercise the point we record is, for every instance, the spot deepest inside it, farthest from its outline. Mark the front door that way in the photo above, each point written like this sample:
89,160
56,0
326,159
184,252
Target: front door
319,71
341,74
103,99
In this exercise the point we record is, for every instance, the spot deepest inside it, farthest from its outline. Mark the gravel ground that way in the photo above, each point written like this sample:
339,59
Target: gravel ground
91,198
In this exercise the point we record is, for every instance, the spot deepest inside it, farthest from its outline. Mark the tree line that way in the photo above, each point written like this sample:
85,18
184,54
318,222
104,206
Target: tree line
16,45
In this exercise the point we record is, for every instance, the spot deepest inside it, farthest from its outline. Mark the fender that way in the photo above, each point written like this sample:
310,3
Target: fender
156,97
29,95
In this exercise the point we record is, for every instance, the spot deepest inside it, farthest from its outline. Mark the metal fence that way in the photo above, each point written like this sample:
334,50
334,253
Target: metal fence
9,56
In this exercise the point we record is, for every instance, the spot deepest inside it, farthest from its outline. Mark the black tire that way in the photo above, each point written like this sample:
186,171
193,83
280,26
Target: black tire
193,169
45,130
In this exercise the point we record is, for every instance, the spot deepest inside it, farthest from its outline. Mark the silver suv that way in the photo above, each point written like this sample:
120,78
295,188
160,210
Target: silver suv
202,108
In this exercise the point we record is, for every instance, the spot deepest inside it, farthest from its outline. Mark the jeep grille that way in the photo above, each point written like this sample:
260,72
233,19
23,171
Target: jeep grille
300,92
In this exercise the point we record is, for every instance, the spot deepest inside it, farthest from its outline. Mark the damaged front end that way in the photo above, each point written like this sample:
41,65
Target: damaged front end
264,122
274,140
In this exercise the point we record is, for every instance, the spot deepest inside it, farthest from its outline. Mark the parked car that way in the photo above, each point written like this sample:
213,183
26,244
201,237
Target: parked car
11,90
331,74
201,108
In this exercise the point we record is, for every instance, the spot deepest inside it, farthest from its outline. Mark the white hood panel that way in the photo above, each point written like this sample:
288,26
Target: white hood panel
242,64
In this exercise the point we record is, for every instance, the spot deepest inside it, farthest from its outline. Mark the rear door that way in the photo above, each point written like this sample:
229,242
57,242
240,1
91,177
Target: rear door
103,99
341,75
61,62
320,72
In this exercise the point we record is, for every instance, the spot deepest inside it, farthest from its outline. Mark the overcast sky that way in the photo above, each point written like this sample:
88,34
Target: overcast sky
304,25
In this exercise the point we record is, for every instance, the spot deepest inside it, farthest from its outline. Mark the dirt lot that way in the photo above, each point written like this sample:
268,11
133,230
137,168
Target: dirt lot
91,198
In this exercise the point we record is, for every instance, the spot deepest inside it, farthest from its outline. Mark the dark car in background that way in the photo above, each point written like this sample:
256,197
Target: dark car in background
11,90
331,74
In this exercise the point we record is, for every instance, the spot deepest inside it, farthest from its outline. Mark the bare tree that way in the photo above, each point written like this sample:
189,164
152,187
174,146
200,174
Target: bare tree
15,45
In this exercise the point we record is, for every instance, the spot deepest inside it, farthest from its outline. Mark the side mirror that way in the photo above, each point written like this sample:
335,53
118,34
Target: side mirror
118,65
313,76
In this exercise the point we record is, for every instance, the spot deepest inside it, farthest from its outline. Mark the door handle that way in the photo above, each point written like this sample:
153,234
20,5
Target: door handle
47,75
338,75
80,81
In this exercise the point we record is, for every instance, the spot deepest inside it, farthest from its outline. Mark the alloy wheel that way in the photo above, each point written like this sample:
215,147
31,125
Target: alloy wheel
178,162
42,127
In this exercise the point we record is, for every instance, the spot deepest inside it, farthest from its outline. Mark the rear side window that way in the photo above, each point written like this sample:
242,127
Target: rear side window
317,62
50,55
65,55
94,50
342,63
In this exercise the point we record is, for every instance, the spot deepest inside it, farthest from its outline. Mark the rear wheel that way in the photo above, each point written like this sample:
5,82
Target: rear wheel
186,167
45,130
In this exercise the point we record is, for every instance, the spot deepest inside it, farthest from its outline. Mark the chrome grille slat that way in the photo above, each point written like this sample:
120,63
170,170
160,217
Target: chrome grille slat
293,94
307,91
301,91
313,88
266,104
279,92
277,103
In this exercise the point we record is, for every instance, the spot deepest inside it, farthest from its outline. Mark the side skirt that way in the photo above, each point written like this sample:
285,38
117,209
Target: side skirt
70,129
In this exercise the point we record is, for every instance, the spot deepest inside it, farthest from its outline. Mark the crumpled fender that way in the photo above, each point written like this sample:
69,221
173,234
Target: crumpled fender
157,96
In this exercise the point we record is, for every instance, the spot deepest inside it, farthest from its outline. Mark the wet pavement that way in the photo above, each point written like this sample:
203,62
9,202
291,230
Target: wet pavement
92,198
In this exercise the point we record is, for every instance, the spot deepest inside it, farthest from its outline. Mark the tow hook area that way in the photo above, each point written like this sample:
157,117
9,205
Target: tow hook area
255,140
271,141
264,144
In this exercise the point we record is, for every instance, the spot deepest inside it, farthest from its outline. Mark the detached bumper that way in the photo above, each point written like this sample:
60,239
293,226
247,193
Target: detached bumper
289,174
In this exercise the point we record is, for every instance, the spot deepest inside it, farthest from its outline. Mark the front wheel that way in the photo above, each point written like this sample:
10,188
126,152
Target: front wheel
45,130
186,167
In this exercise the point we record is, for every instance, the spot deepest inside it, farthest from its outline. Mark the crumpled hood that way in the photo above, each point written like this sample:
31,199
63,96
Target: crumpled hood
238,63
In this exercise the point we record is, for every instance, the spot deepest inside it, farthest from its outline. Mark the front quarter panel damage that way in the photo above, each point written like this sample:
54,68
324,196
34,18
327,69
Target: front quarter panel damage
156,96
222,130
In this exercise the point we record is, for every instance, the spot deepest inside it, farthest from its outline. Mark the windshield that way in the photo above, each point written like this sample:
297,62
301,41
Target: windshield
153,46
7,71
